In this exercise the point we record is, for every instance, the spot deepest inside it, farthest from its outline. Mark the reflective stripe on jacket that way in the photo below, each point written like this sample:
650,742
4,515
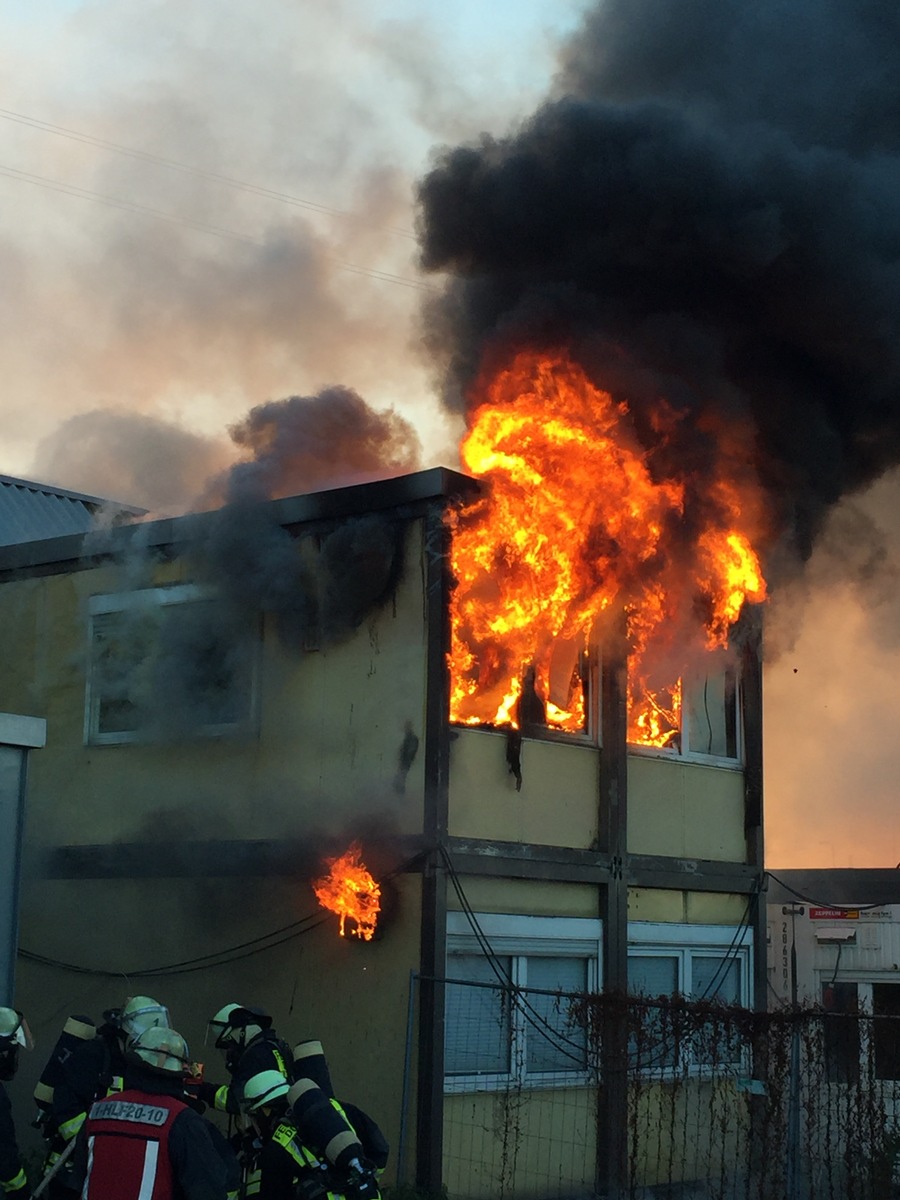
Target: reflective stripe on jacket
128,1147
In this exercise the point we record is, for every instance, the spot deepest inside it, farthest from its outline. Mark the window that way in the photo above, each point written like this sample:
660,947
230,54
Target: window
885,1039
698,962
697,717
500,1033
167,662
841,1033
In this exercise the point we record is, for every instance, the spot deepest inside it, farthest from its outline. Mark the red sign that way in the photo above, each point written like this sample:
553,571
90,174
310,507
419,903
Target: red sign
834,914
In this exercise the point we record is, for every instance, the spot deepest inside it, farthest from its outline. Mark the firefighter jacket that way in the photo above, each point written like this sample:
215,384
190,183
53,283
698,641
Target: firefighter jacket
12,1178
288,1169
146,1143
265,1052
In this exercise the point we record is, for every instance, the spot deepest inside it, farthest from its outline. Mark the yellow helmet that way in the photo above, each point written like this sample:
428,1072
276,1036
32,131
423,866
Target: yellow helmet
262,1089
140,1013
161,1049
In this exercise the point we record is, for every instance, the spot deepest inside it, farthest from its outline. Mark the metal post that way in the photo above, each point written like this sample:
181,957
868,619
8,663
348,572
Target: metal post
17,736
613,1130
793,1140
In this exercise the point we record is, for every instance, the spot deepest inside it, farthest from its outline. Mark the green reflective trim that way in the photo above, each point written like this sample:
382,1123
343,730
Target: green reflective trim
286,1137
69,1128
221,1100
15,1184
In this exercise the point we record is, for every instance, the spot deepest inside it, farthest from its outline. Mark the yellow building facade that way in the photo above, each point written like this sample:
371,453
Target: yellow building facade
232,701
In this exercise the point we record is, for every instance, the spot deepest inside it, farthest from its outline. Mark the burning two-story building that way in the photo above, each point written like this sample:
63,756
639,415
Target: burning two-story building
494,702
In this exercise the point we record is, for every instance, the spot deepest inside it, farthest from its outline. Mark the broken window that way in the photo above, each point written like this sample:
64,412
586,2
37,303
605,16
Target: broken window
696,716
167,662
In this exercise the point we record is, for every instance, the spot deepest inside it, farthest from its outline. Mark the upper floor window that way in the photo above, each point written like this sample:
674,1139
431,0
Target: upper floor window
167,662
698,716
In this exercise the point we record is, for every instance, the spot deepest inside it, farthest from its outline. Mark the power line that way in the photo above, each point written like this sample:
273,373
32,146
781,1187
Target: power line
68,189
173,164
217,958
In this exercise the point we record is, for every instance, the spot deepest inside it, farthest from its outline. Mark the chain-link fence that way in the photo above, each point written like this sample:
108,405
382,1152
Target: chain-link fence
714,1102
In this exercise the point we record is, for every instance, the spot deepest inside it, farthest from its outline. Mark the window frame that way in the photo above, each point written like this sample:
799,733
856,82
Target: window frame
685,942
593,734
521,937
105,603
671,754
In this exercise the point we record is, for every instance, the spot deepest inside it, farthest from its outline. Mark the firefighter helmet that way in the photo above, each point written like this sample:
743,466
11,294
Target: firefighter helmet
140,1013
263,1089
13,1029
236,1024
161,1049
13,1036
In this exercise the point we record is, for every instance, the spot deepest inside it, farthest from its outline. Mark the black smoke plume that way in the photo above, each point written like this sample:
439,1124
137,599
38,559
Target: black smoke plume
706,210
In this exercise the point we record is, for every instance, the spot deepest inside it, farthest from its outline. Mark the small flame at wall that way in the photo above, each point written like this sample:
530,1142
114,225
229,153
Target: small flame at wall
350,891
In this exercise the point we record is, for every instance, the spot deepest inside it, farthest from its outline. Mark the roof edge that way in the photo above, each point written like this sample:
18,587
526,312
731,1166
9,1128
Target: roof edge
420,487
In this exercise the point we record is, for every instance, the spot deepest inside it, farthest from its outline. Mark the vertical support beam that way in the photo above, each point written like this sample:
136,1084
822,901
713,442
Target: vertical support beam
17,736
613,1115
752,713
432,951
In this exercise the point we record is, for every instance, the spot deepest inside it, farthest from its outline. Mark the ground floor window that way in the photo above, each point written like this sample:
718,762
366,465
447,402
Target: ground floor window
708,963
886,1034
508,1012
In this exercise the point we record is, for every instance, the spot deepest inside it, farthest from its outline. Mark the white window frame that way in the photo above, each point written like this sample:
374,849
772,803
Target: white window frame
141,599
521,937
684,942
695,756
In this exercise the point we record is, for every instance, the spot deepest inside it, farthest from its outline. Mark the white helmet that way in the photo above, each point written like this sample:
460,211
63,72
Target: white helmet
140,1013
236,1024
162,1050
13,1030
262,1089
219,1028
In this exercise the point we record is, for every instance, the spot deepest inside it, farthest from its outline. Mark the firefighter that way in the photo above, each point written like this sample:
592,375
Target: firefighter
94,1069
245,1034
286,1167
147,1141
13,1036
342,1135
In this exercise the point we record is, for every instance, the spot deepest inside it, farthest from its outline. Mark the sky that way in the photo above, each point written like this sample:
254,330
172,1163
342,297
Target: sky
207,208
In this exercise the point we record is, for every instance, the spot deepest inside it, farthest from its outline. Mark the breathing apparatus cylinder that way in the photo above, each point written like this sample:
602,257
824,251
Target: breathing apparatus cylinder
310,1063
76,1030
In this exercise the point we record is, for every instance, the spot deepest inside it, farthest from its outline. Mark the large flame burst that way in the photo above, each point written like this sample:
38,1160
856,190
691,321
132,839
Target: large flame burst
573,528
350,891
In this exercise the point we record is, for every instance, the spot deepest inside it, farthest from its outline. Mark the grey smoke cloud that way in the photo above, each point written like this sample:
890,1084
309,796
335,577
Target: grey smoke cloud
304,443
204,207
135,458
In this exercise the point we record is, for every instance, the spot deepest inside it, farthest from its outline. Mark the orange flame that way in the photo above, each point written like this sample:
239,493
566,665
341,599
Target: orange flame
350,891
576,526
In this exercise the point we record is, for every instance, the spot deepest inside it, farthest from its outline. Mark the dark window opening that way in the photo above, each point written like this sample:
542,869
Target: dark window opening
886,1031
841,1032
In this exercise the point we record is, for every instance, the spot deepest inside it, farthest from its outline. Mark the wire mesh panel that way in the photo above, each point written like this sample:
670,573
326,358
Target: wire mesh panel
723,1103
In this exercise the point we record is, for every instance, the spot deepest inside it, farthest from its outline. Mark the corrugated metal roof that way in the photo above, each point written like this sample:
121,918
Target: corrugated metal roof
30,512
